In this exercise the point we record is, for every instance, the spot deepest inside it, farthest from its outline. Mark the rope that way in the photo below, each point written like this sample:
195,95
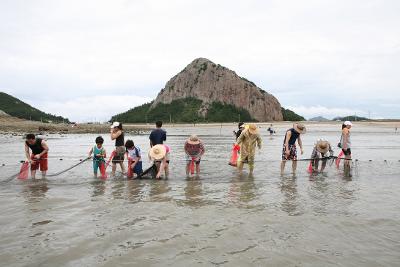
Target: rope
70,168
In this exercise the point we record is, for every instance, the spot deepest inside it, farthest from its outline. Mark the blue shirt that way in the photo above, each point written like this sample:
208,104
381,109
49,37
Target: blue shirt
158,136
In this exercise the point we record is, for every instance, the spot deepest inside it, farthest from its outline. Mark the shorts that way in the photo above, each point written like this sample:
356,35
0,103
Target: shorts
138,169
292,155
96,164
196,159
347,152
119,155
166,159
41,163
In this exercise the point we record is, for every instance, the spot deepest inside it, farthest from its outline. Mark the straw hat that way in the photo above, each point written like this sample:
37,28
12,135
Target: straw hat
300,128
193,140
253,129
322,146
157,152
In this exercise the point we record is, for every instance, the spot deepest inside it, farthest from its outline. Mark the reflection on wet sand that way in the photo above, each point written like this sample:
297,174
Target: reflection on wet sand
194,192
35,190
288,187
242,189
99,187
135,190
158,191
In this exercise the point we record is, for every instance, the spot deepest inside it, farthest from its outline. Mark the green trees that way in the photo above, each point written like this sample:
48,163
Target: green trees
183,110
289,115
17,108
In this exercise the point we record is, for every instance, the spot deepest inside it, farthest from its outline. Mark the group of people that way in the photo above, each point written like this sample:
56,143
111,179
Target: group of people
247,139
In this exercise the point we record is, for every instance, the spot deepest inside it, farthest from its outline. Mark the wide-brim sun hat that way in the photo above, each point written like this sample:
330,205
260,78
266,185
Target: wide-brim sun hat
194,140
322,146
115,124
157,152
300,128
348,123
253,129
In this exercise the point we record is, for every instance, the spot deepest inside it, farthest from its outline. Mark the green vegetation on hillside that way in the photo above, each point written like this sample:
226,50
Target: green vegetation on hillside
351,118
183,110
15,107
289,115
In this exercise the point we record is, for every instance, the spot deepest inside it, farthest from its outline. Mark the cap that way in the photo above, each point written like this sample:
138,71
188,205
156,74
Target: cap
115,124
348,123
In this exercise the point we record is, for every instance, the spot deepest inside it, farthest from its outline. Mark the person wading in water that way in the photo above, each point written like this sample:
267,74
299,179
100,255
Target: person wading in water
117,134
289,151
38,158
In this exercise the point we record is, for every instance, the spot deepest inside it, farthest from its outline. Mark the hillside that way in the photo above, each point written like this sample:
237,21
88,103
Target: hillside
209,92
319,118
350,118
183,110
19,109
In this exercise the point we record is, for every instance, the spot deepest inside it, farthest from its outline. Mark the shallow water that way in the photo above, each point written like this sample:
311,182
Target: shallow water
221,218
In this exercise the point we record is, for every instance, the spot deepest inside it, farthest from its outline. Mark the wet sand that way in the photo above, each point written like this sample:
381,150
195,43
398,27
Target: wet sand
218,219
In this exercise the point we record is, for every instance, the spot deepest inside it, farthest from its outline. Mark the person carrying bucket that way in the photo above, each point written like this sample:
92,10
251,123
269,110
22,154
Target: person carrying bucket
194,149
118,155
99,155
289,151
320,151
38,158
248,140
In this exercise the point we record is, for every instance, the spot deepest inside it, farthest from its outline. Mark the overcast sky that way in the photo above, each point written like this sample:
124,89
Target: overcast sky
88,60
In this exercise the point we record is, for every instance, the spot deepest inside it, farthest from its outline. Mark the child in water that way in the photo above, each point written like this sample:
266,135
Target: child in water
99,154
159,154
320,152
134,156
194,150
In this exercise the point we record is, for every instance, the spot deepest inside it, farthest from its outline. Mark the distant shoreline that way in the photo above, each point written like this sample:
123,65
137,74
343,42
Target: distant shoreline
15,126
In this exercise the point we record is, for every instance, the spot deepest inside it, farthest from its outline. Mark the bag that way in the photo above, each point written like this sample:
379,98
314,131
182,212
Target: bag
234,155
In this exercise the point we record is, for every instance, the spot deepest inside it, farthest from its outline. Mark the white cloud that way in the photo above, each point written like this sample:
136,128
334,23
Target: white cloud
93,109
301,51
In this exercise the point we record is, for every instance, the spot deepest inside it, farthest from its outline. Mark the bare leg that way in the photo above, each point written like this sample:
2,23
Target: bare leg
114,168
240,166
294,166
122,167
43,174
283,163
95,174
187,168
166,169
33,174
251,167
197,168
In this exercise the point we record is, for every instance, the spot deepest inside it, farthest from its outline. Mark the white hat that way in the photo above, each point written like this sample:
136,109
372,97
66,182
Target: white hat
348,123
115,124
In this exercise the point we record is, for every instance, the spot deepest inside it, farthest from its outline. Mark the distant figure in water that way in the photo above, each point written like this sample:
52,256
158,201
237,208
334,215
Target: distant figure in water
194,150
99,154
38,157
345,144
159,154
248,140
117,134
289,151
271,130
240,130
320,151
158,135
395,129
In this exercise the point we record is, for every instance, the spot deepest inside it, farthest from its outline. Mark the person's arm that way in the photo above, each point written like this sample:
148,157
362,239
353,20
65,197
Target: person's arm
202,149
165,136
331,153
115,135
314,158
300,144
151,139
90,152
259,141
27,154
162,166
345,137
240,139
45,150
288,135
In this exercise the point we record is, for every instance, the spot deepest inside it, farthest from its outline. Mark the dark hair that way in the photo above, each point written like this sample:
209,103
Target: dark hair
240,124
99,140
129,144
344,126
30,136
120,126
159,124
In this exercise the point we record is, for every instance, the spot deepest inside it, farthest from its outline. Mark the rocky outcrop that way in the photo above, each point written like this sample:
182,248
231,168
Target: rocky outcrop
210,82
